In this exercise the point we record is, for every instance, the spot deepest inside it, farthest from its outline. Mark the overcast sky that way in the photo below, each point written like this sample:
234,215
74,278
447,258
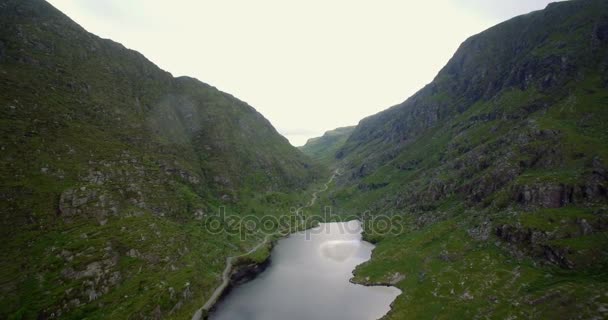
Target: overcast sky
308,66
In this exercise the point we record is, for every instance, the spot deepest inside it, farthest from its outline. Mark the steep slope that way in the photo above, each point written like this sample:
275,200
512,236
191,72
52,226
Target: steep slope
324,148
109,166
498,172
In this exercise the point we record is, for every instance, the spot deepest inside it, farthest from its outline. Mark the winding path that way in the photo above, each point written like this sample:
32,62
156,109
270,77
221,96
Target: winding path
325,187
198,315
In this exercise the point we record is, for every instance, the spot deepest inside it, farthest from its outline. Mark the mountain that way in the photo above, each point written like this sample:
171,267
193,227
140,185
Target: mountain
323,149
497,172
109,165
486,192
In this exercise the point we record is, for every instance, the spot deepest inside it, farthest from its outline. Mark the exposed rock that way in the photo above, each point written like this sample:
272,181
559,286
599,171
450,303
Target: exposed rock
187,293
246,272
87,201
518,235
585,226
545,195
558,256
466,296
199,214
71,199
94,269
396,278
445,255
133,253
96,177
66,255
114,279
555,195
481,232
364,170
93,295
534,242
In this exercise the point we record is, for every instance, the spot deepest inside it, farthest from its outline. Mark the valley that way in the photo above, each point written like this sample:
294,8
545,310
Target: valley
128,193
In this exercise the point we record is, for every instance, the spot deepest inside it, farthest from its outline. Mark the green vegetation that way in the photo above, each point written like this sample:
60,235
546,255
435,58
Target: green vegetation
449,276
323,149
498,170
110,168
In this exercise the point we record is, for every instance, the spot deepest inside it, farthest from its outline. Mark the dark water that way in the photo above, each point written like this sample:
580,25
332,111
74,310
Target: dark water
308,279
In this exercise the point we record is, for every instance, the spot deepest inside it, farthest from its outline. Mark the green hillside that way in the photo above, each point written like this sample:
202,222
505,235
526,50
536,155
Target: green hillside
486,192
498,170
108,168
323,149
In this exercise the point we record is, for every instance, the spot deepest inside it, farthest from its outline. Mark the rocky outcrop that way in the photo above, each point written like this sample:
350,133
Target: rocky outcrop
390,280
96,279
520,235
555,195
241,273
245,272
534,242
491,116
545,195
91,202
541,244
98,140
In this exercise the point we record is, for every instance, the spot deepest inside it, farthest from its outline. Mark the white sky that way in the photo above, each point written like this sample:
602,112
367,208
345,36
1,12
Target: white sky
308,66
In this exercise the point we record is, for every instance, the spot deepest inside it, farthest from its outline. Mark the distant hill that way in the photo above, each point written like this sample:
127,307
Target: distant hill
324,148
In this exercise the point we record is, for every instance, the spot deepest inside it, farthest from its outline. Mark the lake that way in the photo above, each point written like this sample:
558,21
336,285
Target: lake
308,278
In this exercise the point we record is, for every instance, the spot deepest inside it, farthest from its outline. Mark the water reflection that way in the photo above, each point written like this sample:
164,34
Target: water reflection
309,279
339,250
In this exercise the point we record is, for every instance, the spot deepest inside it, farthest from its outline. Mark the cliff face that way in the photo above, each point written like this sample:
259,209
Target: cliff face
500,163
108,166
519,101
539,54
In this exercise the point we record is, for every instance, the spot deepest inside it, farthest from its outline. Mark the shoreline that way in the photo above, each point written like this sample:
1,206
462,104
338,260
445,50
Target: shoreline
250,269
376,284
240,275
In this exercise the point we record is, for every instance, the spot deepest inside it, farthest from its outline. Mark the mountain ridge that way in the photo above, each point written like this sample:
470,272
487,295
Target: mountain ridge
493,178
110,167
495,168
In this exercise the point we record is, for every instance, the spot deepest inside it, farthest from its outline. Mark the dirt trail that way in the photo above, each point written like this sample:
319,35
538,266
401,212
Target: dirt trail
229,261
